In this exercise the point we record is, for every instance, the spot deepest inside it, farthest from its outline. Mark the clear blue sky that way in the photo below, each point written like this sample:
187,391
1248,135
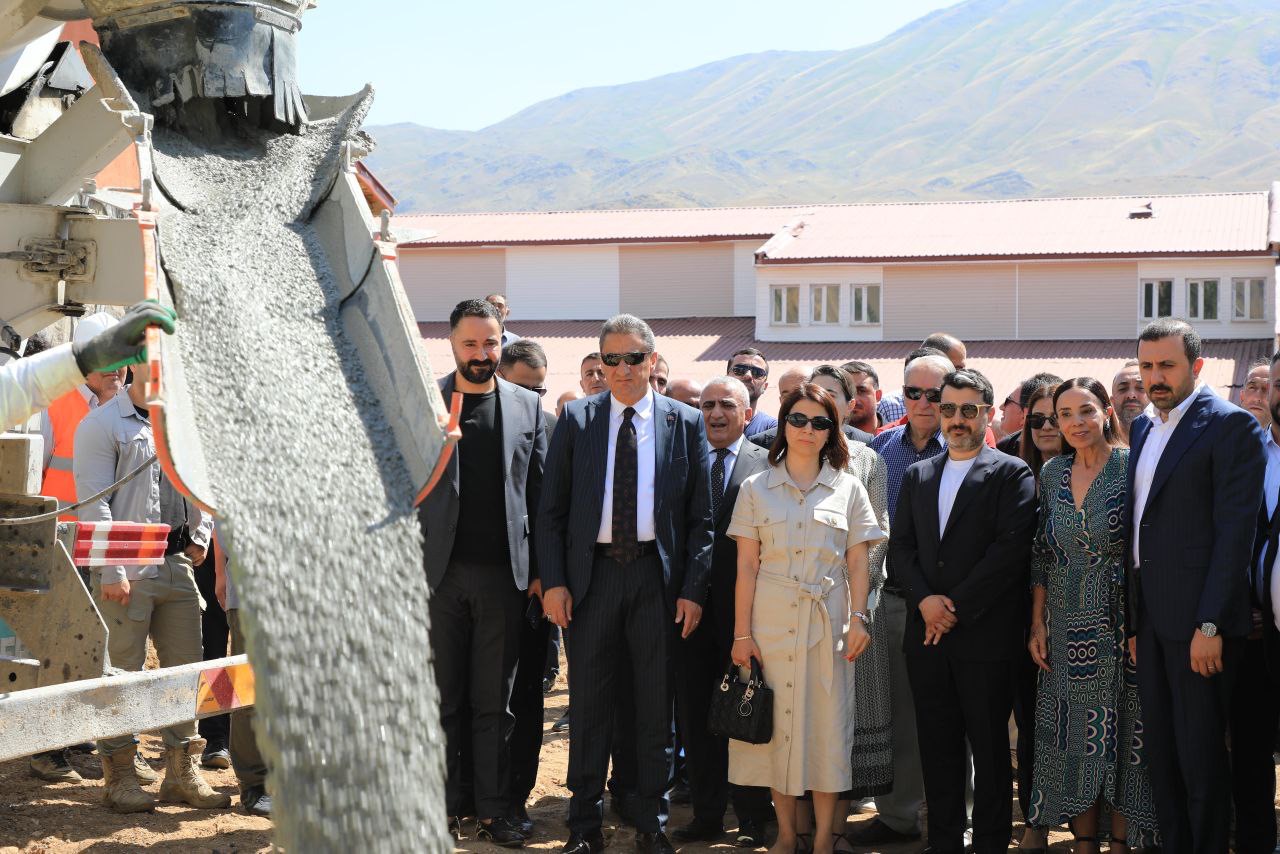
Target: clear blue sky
465,65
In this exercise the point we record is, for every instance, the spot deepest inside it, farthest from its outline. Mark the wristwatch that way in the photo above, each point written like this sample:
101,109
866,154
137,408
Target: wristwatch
866,621
1209,630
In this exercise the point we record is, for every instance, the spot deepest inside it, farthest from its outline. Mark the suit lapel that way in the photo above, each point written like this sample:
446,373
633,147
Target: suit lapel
969,487
1184,436
665,420
597,434
446,391
746,465
929,495
510,427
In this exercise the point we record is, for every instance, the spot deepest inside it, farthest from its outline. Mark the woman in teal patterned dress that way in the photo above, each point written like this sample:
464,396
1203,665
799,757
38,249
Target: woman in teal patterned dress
1089,762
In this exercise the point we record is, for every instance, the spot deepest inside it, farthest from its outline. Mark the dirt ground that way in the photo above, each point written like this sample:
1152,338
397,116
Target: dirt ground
69,817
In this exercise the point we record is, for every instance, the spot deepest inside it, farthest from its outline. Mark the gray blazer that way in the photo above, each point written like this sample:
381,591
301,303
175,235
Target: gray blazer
524,448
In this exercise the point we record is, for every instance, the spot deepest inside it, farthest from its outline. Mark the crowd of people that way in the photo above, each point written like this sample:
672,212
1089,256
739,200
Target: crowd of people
1093,558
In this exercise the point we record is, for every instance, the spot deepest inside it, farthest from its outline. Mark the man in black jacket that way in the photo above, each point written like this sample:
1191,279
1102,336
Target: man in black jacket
960,547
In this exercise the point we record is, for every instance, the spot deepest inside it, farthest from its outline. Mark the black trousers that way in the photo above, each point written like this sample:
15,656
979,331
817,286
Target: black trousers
623,618
527,707
1026,676
1255,714
215,633
1185,719
476,614
956,701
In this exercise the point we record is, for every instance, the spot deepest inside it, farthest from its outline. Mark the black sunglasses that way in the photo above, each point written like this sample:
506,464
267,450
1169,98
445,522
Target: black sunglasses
633,359
539,390
798,420
933,395
968,410
743,370
1038,420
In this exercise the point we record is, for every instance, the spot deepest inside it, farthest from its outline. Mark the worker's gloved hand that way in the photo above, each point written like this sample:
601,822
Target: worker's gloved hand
125,343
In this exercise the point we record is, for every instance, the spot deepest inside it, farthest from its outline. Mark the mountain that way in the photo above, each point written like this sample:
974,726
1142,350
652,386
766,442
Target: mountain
985,99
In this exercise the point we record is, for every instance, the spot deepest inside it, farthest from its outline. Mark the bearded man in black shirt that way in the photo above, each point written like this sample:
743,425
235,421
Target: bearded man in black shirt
479,566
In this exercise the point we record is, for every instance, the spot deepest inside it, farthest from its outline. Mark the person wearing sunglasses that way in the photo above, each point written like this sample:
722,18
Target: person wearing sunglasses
960,548
1078,637
1040,440
804,529
1012,442
750,367
624,538
835,381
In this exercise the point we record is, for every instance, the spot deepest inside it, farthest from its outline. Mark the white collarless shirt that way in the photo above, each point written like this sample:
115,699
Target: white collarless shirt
1145,472
646,468
730,458
953,473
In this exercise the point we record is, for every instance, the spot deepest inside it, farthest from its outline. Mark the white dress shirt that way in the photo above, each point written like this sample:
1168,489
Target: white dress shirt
1149,459
729,458
953,472
646,467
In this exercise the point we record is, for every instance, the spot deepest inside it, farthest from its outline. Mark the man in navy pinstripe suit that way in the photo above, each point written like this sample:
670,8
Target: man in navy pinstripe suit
624,550
1195,485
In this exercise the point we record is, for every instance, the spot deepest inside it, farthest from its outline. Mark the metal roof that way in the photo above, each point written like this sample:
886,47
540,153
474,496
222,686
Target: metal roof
1115,226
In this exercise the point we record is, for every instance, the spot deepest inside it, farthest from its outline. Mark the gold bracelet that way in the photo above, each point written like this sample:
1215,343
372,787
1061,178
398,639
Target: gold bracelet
744,637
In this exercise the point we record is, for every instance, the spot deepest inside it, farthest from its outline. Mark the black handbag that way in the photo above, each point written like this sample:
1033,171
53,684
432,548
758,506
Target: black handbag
742,712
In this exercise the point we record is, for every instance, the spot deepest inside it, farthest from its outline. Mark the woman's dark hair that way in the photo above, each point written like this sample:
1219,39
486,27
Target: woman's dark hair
1110,427
1027,448
835,452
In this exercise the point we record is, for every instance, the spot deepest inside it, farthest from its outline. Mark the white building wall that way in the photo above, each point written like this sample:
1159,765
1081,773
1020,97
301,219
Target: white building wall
436,280
1222,269
744,277
562,282
805,277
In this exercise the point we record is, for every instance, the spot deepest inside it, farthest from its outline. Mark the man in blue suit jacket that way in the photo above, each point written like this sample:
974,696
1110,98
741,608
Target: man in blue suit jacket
624,552
1195,485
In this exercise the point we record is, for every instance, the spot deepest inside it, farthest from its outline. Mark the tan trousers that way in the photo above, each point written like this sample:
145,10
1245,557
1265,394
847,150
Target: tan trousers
167,608
251,769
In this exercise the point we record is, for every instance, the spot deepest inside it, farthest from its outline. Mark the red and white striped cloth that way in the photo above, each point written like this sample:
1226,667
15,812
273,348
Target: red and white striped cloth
119,544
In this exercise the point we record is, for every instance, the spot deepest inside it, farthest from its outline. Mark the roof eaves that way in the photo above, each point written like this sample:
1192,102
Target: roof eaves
1029,256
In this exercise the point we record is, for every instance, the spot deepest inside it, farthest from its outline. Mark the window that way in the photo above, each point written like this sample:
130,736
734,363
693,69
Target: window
1248,299
1157,298
786,304
866,305
1202,299
824,303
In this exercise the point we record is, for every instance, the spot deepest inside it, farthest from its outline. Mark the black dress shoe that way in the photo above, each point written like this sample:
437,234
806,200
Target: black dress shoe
750,834
521,821
500,832
879,833
256,801
653,843
589,843
698,831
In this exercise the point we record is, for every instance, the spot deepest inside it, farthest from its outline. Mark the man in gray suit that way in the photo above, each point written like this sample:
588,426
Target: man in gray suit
624,547
477,577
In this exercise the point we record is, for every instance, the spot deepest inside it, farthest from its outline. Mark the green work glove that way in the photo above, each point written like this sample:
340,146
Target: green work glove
125,343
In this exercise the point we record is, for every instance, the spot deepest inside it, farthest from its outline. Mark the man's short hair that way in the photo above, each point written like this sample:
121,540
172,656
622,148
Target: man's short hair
932,359
524,351
943,341
590,357
473,308
970,378
748,351
1167,327
628,324
1030,385
734,385
1275,358
502,297
836,374
921,352
856,367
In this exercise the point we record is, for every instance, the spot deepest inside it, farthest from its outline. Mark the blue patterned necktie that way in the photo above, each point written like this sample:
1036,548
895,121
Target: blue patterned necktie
625,484
717,480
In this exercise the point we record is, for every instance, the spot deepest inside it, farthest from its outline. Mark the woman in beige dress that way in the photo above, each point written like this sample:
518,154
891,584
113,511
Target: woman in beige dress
804,529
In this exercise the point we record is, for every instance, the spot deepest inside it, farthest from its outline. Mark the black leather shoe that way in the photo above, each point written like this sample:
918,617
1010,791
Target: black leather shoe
521,821
750,834
500,832
698,831
590,843
879,833
653,843
256,801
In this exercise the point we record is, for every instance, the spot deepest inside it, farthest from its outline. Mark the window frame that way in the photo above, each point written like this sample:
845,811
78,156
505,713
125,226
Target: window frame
865,289
1247,283
773,320
814,303
1153,284
1198,314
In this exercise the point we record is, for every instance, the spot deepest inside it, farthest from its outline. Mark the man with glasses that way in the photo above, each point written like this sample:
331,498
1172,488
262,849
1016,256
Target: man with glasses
902,447
624,548
960,548
751,368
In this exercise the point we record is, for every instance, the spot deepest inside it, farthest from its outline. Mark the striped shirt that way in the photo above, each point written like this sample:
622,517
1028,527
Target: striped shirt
900,454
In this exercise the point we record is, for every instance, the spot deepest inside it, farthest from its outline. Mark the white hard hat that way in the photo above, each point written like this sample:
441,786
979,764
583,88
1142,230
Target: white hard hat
92,326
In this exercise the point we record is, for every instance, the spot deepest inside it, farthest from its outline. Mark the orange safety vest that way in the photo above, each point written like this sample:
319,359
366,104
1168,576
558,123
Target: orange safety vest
65,414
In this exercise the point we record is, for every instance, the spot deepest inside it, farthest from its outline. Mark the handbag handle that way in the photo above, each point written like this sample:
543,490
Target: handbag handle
755,680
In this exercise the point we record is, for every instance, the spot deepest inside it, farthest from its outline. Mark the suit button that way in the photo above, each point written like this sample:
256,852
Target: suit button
940,564
453,526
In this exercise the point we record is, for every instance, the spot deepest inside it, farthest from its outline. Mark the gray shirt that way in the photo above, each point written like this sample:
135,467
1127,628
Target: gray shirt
112,441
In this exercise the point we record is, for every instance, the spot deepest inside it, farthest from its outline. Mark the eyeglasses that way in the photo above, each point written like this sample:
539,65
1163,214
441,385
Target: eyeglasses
633,359
933,395
743,370
968,411
539,390
1010,401
1038,420
798,420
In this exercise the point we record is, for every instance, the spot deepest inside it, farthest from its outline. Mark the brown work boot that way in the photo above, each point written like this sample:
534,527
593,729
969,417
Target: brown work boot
146,774
182,780
120,789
